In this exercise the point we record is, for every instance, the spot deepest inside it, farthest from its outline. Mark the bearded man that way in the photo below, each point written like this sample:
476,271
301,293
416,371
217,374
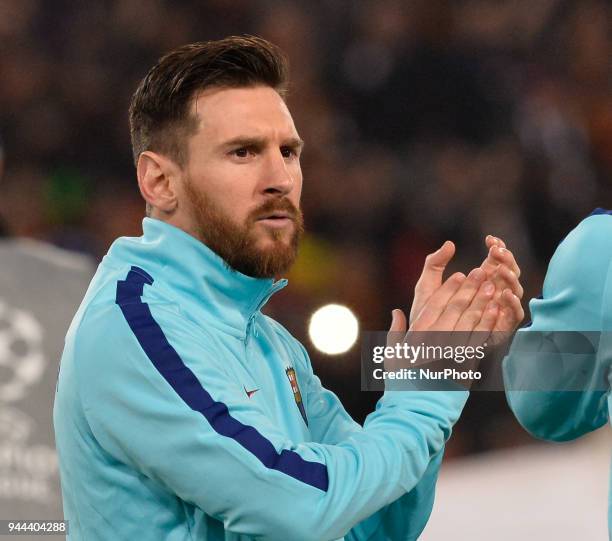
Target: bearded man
183,412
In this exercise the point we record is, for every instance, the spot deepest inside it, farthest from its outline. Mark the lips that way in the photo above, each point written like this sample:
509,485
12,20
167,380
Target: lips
277,215
277,220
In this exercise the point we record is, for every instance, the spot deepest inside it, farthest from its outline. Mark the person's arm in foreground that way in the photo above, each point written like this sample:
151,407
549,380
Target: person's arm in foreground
329,423
188,425
546,356
406,517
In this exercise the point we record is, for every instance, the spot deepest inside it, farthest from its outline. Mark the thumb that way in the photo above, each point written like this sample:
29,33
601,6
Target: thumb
396,333
398,321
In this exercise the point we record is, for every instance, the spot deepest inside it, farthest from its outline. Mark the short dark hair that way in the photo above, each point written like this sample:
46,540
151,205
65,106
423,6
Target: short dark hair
159,110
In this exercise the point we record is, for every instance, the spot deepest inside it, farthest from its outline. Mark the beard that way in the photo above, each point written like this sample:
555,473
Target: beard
237,244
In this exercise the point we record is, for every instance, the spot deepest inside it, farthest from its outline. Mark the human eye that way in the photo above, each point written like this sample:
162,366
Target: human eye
242,152
288,152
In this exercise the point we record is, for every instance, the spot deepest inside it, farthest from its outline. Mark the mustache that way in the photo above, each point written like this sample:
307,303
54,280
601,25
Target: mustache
275,205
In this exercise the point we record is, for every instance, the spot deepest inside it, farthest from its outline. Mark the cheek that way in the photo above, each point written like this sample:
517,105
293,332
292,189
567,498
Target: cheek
298,188
296,173
234,206
228,188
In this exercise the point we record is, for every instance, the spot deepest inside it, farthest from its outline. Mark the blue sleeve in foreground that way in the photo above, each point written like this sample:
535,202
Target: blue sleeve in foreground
406,517
575,298
188,426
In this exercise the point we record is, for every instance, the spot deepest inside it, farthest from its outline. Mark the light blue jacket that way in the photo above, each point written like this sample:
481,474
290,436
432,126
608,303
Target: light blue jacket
184,413
551,362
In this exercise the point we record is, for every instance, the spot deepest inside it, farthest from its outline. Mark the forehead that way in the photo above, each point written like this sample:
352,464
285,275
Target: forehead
257,111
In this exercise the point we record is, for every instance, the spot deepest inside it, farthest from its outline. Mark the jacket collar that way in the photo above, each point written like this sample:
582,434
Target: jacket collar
199,277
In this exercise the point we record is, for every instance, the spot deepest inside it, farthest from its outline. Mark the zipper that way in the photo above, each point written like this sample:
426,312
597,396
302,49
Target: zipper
276,286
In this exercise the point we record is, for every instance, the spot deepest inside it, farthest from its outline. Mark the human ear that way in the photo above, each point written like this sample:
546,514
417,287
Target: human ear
156,181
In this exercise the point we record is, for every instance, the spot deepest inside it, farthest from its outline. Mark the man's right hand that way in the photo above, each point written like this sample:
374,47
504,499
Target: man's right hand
464,304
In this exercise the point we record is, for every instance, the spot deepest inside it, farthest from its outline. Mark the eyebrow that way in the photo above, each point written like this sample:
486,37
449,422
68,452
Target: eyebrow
260,142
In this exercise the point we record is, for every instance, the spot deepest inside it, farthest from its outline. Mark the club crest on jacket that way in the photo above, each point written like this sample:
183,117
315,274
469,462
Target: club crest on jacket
297,395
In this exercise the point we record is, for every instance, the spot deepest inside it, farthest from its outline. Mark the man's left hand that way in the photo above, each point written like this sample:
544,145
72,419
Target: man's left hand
504,272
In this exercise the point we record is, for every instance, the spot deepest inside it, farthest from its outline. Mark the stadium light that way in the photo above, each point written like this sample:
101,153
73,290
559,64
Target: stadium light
333,329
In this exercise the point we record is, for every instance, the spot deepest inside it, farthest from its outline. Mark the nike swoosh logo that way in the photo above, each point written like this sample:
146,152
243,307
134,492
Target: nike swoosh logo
250,393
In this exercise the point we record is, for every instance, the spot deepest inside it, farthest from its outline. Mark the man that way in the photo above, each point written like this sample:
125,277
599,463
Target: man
557,371
40,288
182,411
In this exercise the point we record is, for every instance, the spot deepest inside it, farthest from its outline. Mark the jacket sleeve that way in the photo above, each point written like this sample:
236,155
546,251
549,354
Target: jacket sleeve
329,423
555,372
162,401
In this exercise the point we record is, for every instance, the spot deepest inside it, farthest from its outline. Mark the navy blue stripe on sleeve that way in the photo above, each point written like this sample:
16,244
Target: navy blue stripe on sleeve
169,364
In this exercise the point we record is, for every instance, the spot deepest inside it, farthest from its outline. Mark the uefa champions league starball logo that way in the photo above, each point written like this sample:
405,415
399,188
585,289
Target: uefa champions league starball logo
28,466
22,362
15,427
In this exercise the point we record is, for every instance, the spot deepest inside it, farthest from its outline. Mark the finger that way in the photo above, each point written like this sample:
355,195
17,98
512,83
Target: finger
506,278
490,240
499,255
489,318
459,302
473,314
490,263
431,277
511,313
505,257
437,302
433,269
482,331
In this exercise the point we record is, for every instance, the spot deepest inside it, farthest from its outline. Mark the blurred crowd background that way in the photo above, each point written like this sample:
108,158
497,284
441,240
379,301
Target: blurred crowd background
424,120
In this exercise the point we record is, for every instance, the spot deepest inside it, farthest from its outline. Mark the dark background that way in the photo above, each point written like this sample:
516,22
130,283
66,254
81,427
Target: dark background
423,120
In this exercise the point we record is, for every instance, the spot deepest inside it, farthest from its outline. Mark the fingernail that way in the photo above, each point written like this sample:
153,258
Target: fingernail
393,316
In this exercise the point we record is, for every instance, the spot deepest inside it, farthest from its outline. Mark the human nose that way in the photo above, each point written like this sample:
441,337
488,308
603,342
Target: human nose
279,179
